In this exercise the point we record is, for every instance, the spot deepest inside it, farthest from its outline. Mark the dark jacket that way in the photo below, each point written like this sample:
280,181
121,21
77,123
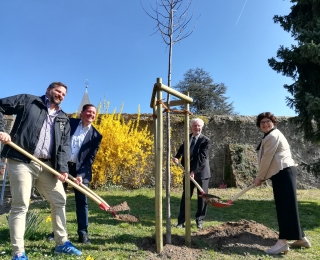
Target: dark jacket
88,151
199,159
31,113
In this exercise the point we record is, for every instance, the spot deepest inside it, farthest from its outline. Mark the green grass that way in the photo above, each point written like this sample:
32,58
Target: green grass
112,239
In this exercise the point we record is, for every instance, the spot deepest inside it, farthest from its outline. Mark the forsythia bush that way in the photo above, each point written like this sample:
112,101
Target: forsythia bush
125,152
176,175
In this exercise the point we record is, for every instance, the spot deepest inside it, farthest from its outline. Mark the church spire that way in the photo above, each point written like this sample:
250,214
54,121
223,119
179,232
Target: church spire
85,99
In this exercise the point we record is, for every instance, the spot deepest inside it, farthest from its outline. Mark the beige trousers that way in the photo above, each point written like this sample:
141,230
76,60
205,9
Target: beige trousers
22,176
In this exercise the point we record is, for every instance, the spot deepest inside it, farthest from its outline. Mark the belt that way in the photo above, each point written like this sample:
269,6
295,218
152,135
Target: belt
44,159
71,163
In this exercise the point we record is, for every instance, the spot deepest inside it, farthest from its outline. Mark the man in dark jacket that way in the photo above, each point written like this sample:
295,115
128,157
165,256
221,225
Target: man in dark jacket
199,170
42,129
85,142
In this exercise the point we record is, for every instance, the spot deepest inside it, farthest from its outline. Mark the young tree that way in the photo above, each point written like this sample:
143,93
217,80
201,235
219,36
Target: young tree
301,62
208,97
171,22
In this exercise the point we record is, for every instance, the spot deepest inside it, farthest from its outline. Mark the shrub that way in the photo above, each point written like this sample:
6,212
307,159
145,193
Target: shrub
125,152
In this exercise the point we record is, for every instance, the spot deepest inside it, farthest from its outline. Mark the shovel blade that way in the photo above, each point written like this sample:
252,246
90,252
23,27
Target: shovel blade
221,204
215,201
209,196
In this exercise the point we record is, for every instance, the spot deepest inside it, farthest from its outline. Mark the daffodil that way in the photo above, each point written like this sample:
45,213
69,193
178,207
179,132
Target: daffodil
48,219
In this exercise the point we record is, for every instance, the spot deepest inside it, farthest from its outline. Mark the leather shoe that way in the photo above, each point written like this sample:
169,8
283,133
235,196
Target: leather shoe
199,225
84,239
284,249
180,225
50,237
304,242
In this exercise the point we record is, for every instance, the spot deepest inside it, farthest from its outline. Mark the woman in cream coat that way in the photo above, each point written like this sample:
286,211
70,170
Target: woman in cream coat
276,163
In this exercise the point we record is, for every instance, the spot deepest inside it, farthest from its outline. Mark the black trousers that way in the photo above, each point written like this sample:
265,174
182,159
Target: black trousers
285,197
202,205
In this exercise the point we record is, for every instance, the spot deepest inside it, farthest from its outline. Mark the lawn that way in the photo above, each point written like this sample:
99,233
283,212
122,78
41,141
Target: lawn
113,239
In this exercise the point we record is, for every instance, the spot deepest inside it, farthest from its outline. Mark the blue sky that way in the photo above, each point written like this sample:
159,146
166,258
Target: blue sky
113,45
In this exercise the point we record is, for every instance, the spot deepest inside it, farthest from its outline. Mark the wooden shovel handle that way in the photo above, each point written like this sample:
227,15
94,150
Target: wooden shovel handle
101,204
88,190
197,184
193,180
234,198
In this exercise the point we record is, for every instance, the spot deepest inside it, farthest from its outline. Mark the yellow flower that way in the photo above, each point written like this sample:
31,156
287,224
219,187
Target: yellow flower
125,151
89,258
48,219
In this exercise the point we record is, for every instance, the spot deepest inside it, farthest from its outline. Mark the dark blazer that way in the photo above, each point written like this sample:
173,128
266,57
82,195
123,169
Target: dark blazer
88,151
199,159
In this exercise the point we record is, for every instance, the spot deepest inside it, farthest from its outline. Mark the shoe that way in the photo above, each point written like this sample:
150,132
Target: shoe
283,249
50,237
84,239
180,225
20,256
199,225
67,248
304,242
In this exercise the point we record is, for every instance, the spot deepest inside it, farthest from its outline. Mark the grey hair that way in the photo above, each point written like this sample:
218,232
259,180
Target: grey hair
196,120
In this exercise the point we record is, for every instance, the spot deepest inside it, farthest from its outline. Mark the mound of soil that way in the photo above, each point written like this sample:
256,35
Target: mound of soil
247,236
244,233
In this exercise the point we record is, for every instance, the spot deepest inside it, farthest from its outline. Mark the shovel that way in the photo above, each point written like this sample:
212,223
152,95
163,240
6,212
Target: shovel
234,198
124,206
82,188
210,199
203,194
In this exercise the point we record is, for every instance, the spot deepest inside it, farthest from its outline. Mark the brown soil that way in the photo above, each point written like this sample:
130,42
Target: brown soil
127,218
244,235
121,207
123,217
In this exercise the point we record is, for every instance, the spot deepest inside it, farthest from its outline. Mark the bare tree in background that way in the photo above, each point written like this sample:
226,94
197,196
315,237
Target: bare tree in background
171,23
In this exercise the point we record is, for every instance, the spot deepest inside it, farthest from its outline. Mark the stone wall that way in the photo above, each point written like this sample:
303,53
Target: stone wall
226,130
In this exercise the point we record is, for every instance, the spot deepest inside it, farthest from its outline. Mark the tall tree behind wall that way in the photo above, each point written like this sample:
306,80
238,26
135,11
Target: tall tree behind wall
171,17
208,97
301,62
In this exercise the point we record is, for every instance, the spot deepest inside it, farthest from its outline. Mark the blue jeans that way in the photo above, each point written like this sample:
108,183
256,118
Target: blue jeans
82,211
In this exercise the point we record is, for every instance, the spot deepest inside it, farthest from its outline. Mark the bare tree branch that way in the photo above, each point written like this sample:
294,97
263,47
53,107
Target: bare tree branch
179,24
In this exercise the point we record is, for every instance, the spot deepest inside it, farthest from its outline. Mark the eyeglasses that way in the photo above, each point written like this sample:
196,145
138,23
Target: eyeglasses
265,122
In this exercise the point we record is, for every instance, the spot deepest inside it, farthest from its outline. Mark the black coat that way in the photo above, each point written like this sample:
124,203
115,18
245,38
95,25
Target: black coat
199,159
31,113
